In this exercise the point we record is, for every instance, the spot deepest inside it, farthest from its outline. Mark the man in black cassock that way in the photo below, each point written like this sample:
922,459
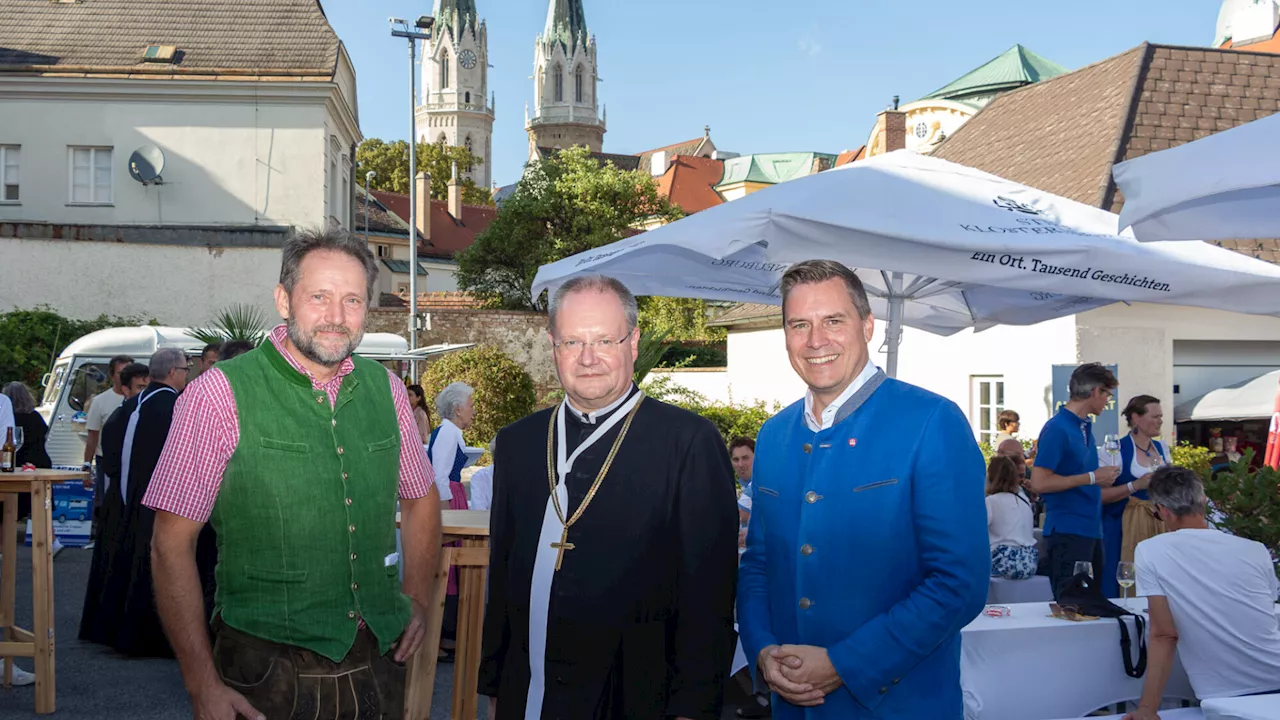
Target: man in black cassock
627,612
119,606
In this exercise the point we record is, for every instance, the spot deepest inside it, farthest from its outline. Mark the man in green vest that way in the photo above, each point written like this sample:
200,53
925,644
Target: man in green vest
297,452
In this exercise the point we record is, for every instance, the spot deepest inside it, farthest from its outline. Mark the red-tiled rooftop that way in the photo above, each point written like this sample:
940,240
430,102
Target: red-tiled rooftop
690,182
448,235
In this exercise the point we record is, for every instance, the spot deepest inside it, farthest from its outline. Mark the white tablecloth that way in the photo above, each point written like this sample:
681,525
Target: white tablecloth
1003,591
1031,666
1256,707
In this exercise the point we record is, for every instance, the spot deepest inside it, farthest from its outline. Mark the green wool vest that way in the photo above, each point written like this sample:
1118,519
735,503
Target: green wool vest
305,516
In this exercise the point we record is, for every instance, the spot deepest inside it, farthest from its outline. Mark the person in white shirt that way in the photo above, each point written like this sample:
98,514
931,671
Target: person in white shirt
1211,597
1014,554
6,417
482,484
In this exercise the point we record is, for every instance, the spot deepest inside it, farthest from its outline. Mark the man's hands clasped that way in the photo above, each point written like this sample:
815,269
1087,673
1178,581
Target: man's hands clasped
801,674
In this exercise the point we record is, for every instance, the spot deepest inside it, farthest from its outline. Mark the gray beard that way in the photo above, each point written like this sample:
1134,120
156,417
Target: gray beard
306,344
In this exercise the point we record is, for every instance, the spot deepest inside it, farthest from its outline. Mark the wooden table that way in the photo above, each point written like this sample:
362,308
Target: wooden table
470,529
17,642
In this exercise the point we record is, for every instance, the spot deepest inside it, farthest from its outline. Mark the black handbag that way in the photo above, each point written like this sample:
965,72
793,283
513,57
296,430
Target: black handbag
1084,596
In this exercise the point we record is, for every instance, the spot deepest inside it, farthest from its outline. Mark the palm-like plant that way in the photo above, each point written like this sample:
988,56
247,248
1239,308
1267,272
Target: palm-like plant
234,322
653,345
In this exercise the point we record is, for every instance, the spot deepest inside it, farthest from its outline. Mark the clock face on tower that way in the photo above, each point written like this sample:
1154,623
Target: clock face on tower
468,59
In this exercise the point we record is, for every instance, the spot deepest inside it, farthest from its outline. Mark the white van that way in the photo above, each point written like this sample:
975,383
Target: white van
80,372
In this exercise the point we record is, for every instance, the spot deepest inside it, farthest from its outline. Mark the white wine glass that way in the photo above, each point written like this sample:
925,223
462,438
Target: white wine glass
18,436
1084,567
1111,445
1126,576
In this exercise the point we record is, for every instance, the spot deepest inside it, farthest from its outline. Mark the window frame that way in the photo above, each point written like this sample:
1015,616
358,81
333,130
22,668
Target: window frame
5,150
578,85
993,407
94,151
444,70
559,83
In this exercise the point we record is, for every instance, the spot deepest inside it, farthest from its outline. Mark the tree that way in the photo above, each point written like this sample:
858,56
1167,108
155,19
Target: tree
391,162
503,390
30,340
563,205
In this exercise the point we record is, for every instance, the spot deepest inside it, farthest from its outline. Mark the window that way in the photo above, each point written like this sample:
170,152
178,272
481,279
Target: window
559,83
577,85
9,157
468,98
467,143
383,251
987,401
90,176
444,69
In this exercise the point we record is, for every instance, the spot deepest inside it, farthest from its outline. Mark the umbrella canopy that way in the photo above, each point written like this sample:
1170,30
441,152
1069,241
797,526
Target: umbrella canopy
943,247
1222,187
1248,400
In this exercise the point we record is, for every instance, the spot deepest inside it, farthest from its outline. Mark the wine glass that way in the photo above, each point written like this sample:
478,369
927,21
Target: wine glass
1126,575
1084,567
1111,444
18,436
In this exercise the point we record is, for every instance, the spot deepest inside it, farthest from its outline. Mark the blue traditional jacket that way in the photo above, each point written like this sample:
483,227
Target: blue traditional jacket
869,539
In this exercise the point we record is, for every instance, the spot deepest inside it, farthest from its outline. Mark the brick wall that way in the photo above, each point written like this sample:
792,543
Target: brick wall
521,335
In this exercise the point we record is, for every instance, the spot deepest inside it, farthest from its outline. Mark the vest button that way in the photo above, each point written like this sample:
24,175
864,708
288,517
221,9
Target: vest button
353,556
351,614
348,502
355,586
351,528
334,421
806,549
811,497
339,449
805,603
344,476
808,448
319,399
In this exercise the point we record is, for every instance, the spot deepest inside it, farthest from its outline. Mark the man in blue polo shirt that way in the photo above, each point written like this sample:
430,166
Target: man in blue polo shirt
1067,476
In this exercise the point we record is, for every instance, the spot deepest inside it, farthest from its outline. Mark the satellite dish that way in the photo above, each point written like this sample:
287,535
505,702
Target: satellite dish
146,164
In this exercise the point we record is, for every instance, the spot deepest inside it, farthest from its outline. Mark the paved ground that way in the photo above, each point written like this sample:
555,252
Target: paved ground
95,683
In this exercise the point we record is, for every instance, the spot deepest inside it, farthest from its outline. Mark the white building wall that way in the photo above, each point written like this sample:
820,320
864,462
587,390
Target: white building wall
225,163
176,285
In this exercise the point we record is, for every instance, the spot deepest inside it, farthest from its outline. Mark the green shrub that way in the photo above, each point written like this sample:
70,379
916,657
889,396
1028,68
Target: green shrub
504,391
695,356
1248,502
1192,457
30,340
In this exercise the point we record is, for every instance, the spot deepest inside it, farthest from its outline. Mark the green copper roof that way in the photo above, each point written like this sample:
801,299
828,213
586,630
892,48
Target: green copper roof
773,168
455,14
566,22
1016,67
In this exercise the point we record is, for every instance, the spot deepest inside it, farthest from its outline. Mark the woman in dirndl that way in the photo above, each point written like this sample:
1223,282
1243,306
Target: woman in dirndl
1128,517
445,450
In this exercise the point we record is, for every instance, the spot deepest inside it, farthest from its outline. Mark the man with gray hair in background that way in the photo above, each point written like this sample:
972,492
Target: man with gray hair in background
119,608
1211,597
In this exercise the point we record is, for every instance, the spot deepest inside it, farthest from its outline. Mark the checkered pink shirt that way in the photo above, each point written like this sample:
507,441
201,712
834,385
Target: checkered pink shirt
206,430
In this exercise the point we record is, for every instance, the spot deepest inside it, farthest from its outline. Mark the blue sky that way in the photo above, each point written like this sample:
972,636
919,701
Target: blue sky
788,75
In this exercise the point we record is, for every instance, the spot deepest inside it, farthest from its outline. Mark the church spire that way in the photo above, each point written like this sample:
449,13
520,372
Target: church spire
454,15
566,22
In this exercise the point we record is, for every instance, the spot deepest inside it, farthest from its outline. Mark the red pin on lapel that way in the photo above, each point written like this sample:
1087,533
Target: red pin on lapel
853,442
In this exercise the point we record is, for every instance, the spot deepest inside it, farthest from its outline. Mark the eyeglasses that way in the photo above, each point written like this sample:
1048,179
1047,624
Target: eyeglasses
575,347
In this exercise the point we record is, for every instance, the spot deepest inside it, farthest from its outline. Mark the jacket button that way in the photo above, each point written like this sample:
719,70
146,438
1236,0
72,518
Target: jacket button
339,449
811,497
351,614
348,502
806,549
896,680
353,556
808,448
351,528
355,586
884,690
344,476
805,603
334,421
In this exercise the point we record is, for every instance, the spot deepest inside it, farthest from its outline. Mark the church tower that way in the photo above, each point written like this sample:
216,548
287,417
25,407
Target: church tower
565,80
455,85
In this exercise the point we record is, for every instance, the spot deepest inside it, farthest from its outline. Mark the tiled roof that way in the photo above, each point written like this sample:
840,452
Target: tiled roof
441,300
448,236
1013,68
686,148
1269,45
212,37
748,314
1064,135
381,220
775,168
849,156
691,182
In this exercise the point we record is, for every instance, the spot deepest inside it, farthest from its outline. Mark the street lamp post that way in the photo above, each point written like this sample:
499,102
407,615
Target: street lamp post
368,177
424,24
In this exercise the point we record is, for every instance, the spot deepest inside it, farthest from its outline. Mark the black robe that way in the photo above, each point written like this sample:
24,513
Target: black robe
640,621
119,606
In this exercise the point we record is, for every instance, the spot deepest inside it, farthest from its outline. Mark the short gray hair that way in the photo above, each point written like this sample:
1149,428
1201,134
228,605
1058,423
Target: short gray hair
20,396
811,272
163,362
334,239
452,397
1178,490
1089,377
594,283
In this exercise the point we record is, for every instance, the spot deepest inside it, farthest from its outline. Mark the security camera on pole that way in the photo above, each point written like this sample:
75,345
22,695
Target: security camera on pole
424,24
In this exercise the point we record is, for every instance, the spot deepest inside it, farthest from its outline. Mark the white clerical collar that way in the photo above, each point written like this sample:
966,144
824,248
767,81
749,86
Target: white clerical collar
591,418
829,412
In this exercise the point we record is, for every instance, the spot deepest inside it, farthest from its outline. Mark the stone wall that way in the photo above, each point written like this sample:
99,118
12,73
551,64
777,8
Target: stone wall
521,335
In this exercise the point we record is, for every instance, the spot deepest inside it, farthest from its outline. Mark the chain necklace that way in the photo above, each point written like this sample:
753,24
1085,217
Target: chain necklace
1145,450
564,543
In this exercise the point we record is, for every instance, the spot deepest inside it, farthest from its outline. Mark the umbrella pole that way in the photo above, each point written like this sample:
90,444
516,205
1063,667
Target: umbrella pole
893,334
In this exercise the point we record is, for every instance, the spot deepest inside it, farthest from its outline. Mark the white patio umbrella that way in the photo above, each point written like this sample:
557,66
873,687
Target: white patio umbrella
941,246
1248,400
1221,187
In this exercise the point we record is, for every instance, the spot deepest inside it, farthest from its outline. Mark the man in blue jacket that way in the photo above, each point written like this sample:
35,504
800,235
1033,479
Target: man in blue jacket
867,551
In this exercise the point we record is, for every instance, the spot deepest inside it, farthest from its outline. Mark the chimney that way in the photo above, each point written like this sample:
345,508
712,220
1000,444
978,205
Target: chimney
455,195
892,126
423,209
